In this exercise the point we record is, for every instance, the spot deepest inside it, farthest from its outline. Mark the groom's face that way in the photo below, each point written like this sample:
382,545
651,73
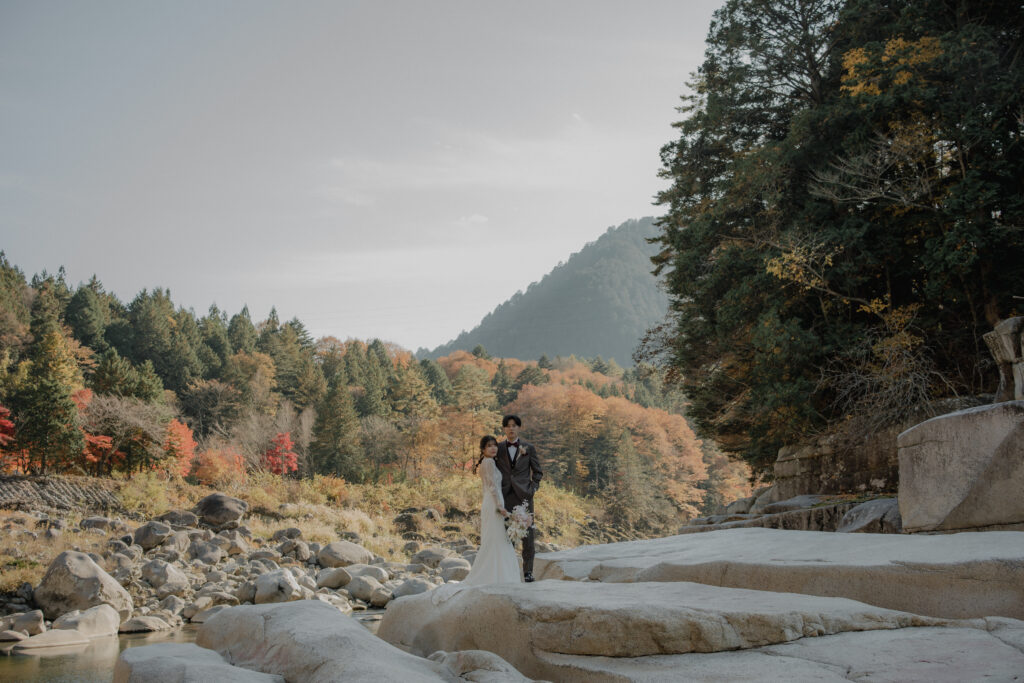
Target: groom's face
511,430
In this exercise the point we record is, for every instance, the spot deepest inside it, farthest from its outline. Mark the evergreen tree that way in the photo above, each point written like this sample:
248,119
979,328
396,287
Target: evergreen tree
115,375
501,383
242,333
440,385
409,393
336,447
88,316
216,345
544,362
473,391
46,417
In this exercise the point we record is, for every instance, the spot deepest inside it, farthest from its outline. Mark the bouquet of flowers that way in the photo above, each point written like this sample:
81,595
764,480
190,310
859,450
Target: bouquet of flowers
518,524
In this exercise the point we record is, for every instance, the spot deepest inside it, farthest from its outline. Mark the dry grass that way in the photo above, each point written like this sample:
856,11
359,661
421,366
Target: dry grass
25,559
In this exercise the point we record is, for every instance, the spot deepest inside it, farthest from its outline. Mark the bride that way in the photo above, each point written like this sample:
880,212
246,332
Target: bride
496,561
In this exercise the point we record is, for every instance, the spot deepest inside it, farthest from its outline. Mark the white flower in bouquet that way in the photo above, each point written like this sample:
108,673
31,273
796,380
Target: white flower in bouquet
518,524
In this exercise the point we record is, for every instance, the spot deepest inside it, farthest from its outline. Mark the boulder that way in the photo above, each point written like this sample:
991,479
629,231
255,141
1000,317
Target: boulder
30,623
102,523
178,542
181,662
95,622
74,581
237,543
311,641
336,577
179,518
206,552
456,573
362,587
277,586
342,554
52,638
165,578
881,516
964,470
151,534
146,624
431,556
218,509
949,575
413,586
379,573
9,636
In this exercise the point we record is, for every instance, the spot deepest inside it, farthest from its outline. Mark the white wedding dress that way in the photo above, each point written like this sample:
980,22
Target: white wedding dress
496,560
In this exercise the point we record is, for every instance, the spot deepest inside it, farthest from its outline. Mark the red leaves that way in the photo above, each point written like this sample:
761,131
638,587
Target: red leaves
279,458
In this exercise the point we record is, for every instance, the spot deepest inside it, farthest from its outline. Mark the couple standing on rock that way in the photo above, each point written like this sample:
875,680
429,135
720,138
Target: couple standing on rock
510,474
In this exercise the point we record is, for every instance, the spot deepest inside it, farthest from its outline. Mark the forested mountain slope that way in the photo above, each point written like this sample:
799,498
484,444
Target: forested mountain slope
598,303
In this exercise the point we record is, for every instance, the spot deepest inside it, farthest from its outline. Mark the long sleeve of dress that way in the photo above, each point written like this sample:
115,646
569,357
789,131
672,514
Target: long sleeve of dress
491,477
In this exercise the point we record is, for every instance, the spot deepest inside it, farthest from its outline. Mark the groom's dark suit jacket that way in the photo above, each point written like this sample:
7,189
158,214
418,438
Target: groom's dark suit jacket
521,481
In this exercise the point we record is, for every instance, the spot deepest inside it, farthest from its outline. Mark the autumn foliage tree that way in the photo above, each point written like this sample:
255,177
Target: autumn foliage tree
279,457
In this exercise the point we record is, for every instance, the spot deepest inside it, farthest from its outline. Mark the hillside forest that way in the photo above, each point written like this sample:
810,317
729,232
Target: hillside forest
598,303
845,218
91,385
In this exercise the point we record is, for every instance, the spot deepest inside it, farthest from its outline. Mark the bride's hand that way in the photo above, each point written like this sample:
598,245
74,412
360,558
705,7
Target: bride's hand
503,512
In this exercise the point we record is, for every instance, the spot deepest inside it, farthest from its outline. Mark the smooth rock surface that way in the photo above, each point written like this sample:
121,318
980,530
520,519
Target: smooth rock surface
145,624
962,575
309,641
880,516
74,581
621,620
181,663
343,554
218,509
54,638
964,470
277,586
95,622
912,655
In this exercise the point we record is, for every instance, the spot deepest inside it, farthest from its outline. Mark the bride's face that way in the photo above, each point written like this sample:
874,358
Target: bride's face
491,449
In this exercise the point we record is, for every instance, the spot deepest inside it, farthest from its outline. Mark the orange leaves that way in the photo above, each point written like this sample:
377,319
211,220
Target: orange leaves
220,466
180,447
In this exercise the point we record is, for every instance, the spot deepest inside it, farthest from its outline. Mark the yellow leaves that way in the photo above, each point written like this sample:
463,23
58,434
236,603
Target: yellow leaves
803,264
900,63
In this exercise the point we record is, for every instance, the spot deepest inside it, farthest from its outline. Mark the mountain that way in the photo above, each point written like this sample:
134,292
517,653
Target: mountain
599,303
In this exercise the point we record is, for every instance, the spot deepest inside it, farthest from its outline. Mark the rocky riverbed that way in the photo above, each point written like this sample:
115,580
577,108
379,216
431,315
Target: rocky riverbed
185,566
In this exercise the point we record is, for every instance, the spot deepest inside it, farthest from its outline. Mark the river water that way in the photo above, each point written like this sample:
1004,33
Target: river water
94,663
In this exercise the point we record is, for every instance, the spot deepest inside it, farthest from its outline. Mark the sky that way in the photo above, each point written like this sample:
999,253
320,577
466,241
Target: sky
391,169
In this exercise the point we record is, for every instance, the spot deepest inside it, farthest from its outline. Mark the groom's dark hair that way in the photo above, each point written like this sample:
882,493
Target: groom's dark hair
511,418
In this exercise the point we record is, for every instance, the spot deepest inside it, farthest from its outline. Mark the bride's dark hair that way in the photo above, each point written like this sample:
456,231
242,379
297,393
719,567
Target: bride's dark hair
484,441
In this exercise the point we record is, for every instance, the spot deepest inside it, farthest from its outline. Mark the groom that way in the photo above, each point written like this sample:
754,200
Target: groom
520,478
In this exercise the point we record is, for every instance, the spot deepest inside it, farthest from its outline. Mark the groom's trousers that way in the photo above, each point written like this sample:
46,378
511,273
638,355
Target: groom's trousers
528,549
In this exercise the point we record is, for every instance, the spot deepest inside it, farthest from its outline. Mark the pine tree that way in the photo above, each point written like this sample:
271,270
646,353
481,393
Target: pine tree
336,447
440,385
241,332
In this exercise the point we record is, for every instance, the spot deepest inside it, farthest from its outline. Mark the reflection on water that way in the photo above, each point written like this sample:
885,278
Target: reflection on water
94,663
90,663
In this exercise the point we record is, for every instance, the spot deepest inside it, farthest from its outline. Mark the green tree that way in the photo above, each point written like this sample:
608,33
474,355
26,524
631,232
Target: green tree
473,391
501,383
46,417
116,375
337,448
242,333
440,385
88,316
409,393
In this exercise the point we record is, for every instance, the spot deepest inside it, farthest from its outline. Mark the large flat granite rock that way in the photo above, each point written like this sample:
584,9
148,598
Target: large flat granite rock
520,622
308,641
913,655
964,470
960,575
